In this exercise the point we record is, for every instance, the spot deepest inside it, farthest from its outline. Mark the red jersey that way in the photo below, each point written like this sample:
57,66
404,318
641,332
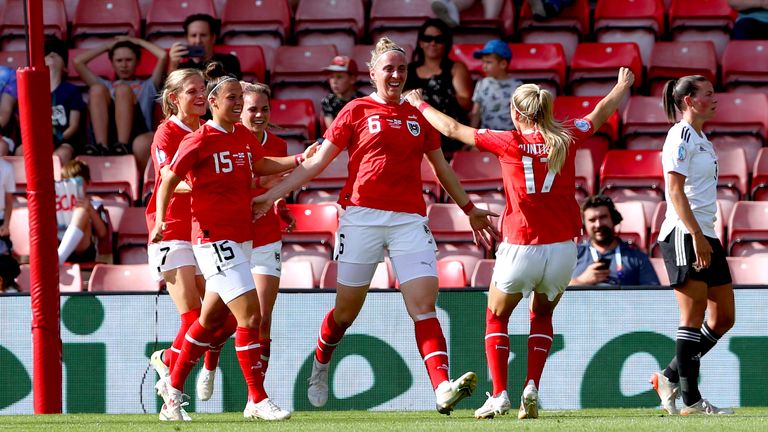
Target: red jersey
386,144
178,218
218,165
541,205
266,230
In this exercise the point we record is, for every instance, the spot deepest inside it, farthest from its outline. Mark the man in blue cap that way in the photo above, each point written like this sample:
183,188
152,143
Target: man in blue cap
491,109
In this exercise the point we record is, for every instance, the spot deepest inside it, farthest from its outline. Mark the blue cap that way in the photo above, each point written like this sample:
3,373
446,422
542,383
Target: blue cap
495,46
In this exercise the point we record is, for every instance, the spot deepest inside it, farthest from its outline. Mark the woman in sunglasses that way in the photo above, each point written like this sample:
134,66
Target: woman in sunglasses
445,84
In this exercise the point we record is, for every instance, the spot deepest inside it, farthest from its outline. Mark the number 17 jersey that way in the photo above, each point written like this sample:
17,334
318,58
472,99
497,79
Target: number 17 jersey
541,206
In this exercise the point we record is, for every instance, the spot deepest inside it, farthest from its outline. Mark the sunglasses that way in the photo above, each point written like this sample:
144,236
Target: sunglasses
439,39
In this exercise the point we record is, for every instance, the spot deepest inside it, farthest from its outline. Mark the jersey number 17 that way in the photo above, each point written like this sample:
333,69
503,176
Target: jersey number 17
530,182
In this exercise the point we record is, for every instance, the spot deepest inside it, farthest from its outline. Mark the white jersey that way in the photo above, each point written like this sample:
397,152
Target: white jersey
692,155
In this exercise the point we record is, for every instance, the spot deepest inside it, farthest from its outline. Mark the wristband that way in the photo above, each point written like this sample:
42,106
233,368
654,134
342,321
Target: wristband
468,207
299,158
423,106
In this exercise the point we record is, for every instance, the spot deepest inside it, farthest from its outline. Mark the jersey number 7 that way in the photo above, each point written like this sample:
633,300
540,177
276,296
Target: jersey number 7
530,183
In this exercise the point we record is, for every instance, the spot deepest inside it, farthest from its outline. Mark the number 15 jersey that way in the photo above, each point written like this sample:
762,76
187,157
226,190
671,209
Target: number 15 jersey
541,205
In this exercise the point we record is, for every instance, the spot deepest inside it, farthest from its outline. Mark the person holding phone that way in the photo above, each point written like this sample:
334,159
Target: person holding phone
604,258
201,32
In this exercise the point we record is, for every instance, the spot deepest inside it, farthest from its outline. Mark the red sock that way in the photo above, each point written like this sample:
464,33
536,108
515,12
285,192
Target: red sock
220,337
497,349
196,343
539,344
248,353
330,336
171,354
265,344
433,349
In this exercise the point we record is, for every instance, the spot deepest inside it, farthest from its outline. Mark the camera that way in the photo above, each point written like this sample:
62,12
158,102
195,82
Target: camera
195,51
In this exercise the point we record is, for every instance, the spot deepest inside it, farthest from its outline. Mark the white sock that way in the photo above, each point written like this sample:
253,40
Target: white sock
69,242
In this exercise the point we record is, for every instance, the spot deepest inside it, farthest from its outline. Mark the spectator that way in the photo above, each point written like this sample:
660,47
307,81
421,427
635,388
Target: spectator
74,244
201,31
752,23
543,9
448,10
8,123
604,258
9,267
123,109
342,77
493,93
445,84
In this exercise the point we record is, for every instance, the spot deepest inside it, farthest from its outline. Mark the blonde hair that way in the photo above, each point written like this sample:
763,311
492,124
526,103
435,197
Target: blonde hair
174,84
536,104
256,88
383,46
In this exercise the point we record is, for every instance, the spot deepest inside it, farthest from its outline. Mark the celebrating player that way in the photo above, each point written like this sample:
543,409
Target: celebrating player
541,219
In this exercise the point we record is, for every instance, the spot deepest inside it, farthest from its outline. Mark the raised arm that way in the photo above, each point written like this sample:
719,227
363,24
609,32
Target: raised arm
82,59
444,124
158,52
611,101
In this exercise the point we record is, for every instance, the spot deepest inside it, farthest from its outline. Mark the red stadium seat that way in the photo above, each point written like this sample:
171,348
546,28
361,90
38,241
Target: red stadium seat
468,254
658,218
148,182
253,63
594,67
13,59
634,227
295,117
475,27
127,277
302,64
315,223
733,174
330,180
20,173
336,22
448,223
740,114
645,124
633,175
430,185
748,270
541,63
464,53
261,22
113,175
585,174
567,28
759,190
398,19
574,107
481,276
478,171
70,279
382,277
641,22
450,274
315,253
748,223
131,233
745,66
165,19
102,67
96,20
297,274
696,20
14,27
661,270
675,59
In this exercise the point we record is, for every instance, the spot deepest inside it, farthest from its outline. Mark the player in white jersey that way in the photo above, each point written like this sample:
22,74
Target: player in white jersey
694,257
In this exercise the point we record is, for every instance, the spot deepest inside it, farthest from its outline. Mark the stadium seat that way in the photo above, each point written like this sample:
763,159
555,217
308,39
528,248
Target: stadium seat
70,279
315,223
745,66
13,59
759,190
574,107
696,20
148,183
301,64
20,173
749,270
634,227
261,22
398,19
114,176
430,185
644,123
478,171
468,254
481,275
661,270
733,174
585,174
297,274
448,223
476,28
337,22
131,234
641,22
328,183
748,223
658,218
14,27
122,277
165,19
594,65
671,60
450,274
742,116
97,20
567,28
633,175
102,67
464,53
542,63
315,253
19,229
294,117
253,63
382,277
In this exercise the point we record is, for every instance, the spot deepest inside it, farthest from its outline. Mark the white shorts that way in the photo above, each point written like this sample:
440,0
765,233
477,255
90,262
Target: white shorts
265,259
364,233
170,255
226,267
545,269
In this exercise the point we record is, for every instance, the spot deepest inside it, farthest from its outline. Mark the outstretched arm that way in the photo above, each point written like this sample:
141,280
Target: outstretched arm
443,123
611,101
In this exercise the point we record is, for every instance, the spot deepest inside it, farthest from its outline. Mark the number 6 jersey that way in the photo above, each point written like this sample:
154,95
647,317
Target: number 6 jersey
541,205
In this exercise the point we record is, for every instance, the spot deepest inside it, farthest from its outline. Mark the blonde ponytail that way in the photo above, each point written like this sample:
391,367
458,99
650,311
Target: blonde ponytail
536,105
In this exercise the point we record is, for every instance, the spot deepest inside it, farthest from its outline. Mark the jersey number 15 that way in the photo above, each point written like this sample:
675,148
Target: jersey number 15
530,183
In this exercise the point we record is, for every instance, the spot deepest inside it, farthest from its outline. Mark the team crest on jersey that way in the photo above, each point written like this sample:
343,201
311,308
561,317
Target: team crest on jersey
414,128
581,125
681,152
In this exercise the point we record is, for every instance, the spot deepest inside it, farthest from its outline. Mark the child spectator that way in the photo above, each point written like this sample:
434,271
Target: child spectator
342,74
9,267
493,93
74,244
8,123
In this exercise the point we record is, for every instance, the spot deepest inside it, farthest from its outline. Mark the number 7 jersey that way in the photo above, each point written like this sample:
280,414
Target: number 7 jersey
541,206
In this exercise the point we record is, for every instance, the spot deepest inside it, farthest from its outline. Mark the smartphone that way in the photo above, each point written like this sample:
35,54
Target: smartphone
195,51
605,263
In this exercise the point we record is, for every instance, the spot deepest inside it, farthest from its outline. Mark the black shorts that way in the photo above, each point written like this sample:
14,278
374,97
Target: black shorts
86,256
679,257
138,127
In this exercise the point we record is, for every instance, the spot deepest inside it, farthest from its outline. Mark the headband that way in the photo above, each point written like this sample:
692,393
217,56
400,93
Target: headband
398,49
520,112
213,90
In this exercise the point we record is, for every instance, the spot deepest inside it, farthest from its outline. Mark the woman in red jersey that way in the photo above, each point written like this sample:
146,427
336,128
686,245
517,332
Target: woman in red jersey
540,221
218,161
386,140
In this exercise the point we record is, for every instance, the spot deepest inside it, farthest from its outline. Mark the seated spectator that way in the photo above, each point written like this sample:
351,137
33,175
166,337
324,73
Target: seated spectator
122,111
9,267
494,92
752,23
543,9
342,77
8,122
201,31
448,10
76,241
605,259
